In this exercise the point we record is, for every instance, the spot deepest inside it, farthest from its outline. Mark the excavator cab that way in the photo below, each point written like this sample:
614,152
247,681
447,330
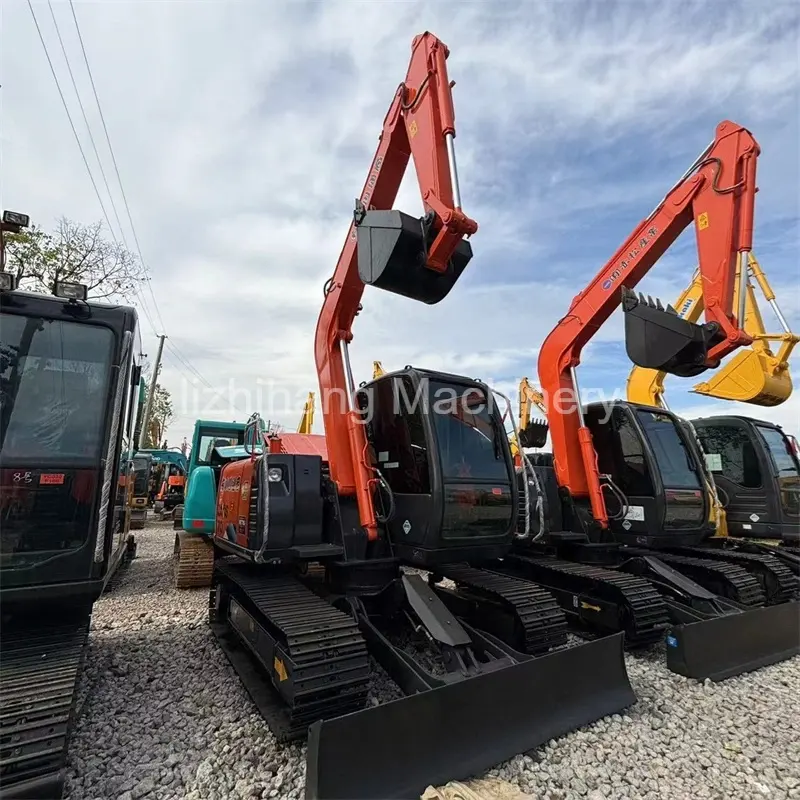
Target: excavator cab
448,488
658,338
757,473
393,255
658,497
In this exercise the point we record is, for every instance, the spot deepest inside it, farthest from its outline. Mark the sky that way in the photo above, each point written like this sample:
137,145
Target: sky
243,131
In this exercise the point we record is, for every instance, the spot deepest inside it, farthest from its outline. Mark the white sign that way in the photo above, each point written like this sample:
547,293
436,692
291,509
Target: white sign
754,518
636,513
713,462
406,527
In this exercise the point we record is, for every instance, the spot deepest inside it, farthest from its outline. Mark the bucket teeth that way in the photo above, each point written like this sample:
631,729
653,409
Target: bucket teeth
671,310
629,299
534,434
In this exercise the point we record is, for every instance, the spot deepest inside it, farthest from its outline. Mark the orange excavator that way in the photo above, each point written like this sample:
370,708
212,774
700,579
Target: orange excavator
309,577
621,500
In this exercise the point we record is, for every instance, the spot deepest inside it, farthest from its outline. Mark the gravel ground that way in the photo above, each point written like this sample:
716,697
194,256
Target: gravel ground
162,716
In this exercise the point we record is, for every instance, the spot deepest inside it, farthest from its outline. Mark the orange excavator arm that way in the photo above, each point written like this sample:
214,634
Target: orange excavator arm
718,194
427,255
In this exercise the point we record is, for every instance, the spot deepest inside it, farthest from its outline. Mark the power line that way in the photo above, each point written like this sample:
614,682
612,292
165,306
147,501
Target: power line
71,123
188,370
86,121
193,371
114,161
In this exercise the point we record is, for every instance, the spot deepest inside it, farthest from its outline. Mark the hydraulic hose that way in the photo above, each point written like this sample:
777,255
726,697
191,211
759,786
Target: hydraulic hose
528,471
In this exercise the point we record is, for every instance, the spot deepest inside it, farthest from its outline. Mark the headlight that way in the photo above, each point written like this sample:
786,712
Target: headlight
274,475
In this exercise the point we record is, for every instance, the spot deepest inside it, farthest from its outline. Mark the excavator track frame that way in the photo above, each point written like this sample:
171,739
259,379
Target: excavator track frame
522,614
596,598
193,560
319,668
40,669
775,578
304,658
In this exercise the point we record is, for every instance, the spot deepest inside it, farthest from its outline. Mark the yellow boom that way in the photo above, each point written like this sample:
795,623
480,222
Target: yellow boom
307,420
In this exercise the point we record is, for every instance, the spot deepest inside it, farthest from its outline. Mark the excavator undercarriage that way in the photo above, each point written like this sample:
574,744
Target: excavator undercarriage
722,609
470,702
303,624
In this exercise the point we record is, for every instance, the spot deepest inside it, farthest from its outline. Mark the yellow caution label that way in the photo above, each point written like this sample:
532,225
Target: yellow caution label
702,221
590,607
280,669
412,129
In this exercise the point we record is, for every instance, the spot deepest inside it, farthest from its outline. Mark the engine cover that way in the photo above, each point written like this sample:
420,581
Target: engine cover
274,499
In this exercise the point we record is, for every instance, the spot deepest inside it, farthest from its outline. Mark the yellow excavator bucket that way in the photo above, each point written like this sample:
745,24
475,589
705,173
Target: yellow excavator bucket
750,377
756,375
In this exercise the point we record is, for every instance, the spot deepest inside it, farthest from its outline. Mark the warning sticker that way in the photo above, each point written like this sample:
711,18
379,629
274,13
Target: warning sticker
636,513
52,478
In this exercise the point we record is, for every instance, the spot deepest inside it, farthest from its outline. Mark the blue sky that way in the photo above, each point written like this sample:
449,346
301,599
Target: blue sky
244,130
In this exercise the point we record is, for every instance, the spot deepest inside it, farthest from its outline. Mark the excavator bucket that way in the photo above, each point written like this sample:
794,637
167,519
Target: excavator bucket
749,377
657,338
392,255
534,434
461,729
732,644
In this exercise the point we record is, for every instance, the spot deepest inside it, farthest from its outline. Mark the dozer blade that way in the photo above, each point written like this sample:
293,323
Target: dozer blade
534,434
657,338
749,377
735,643
452,732
392,253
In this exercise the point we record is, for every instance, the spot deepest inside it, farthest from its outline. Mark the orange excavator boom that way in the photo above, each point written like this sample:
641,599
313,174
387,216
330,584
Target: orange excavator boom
420,259
717,193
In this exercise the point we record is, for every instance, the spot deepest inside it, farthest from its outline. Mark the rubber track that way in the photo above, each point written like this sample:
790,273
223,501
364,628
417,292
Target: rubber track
741,587
775,578
329,663
646,612
39,671
537,612
193,560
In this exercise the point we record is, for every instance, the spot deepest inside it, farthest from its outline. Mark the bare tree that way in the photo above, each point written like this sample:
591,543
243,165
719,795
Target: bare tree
74,252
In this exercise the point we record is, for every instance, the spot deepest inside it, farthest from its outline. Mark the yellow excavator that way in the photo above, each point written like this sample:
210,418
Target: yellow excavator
532,432
377,370
756,375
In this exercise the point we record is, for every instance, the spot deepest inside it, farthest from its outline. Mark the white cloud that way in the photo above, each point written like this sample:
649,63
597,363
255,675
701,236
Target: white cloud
243,132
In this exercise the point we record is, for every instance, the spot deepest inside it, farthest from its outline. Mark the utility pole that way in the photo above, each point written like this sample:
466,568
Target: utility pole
151,393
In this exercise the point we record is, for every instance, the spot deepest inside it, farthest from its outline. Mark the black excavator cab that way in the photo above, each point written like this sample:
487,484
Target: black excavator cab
757,474
658,338
393,251
441,449
653,464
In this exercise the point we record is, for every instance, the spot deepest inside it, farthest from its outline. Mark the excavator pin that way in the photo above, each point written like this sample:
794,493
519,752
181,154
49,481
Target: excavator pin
658,338
392,255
